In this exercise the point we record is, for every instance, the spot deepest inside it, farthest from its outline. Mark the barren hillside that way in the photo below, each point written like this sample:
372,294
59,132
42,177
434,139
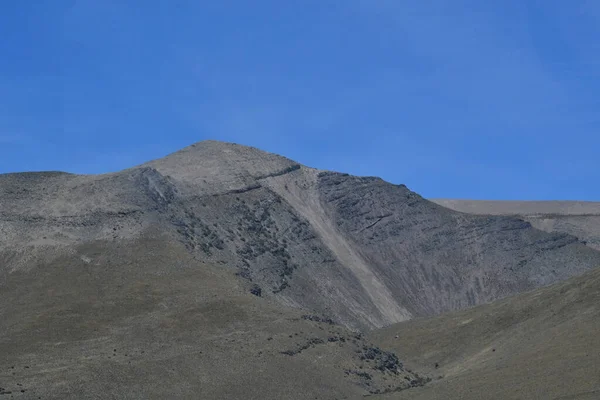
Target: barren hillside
141,319
222,271
539,345
362,251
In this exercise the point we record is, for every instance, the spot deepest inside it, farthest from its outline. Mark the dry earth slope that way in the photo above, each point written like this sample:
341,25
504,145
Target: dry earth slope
542,344
141,319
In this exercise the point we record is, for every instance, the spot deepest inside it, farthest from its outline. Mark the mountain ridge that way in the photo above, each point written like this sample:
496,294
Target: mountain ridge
222,271
366,252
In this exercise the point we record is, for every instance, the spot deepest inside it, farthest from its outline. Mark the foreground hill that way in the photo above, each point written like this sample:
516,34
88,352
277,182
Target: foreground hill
362,251
538,345
141,319
577,218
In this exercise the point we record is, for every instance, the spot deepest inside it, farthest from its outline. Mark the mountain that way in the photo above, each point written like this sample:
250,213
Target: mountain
577,218
537,345
362,251
222,271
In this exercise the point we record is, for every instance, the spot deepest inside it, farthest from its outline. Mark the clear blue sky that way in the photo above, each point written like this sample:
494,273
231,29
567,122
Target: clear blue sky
463,99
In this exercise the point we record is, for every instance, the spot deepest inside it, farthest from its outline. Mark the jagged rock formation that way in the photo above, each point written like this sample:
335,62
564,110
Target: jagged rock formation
364,252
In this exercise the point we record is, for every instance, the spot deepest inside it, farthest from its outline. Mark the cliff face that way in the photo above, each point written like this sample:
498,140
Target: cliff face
364,252
439,260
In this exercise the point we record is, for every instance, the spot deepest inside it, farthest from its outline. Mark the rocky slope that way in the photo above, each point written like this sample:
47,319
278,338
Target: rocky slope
577,218
359,250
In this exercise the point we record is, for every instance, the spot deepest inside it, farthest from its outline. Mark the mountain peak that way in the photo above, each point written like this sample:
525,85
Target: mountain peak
216,145
216,166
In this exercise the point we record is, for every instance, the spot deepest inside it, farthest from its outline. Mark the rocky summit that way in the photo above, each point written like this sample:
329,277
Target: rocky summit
223,271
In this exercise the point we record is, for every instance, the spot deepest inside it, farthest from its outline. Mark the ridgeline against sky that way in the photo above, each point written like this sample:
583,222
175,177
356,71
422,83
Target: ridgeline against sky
455,99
